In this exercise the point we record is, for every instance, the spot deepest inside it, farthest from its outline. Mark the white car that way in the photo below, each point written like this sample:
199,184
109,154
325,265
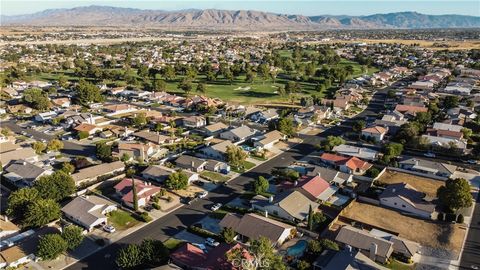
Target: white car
430,155
211,242
200,246
202,195
471,161
216,206
109,228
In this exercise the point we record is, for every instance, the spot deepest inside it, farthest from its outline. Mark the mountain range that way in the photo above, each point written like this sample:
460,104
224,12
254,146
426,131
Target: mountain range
232,19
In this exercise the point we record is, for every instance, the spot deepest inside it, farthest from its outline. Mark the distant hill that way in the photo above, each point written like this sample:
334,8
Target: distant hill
232,19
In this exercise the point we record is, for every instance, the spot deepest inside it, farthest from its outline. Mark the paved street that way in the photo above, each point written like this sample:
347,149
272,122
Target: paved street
471,251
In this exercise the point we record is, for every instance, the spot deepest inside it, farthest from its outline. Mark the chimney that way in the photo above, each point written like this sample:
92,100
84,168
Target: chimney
270,199
24,163
373,251
192,164
394,190
295,183
266,213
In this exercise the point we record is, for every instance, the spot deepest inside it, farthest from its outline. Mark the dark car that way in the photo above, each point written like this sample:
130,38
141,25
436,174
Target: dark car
198,183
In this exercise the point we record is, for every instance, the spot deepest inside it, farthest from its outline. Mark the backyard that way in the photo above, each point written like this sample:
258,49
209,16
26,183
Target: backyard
426,185
428,233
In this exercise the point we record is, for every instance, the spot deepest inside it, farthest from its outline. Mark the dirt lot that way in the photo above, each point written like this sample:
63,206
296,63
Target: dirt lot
429,186
443,236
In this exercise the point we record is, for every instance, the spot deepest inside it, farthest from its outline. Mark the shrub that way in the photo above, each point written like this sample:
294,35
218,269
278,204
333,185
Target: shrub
51,246
460,218
145,217
156,206
441,217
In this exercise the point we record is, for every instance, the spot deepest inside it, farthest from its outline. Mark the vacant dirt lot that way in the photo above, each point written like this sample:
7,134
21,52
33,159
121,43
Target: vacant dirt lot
429,186
427,233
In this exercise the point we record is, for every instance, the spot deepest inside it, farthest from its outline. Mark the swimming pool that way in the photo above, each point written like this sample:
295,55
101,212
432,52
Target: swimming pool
298,249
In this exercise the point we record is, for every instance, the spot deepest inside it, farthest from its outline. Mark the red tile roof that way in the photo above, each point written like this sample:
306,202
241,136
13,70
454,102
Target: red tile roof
409,108
355,163
332,157
315,185
189,255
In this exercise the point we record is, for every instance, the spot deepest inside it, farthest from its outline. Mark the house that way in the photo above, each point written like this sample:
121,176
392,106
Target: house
264,116
445,143
454,135
24,248
315,188
144,191
217,151
10,152
375,132
401,246
376,248
19,108
422,85
447,127
153,137
214,129
427,167
252,226
268,140
194,121
61,102
217,166
290,205
46,116
93,173
116,109
88,128
239,134
7,228
22,173
352,165
405,198
190,163
137,151
333,177
409,109
88,211
157,173
355,151
346,259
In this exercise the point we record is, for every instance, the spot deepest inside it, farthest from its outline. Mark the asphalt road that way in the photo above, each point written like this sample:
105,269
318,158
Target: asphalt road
471,251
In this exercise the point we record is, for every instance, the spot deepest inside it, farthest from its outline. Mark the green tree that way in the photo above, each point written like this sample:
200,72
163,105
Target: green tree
260,185
140,120
331,141
314,247
358,125
56,186
73,235
83,135
303,265
20,200
54,145
456,194
393,149
41,212
104,151
372,172
177,180
129,257
235,156
39,147
467,133
135,195
286,126
262,250
201,88
153,252
36,98
169,73
264,72
159,86
186,85
51,246
329,244
228,234
125,157
68,168
450,102
87,92
310,218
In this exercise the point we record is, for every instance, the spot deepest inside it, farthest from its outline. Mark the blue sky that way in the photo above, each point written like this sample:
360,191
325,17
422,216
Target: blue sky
311,7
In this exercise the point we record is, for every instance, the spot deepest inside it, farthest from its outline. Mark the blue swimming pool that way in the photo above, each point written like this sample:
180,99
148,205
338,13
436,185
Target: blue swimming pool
298,249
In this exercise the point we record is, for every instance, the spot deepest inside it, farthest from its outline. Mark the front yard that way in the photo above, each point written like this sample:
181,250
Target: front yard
122,220
214,176
246,165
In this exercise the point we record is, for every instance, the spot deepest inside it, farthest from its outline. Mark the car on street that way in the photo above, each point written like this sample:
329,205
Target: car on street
471,161
430,155
216,206
202,194
211,242
198,183
109,228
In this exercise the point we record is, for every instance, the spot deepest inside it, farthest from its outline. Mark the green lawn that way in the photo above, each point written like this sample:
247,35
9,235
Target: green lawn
214,176
396,265
122,220
247,165
172,243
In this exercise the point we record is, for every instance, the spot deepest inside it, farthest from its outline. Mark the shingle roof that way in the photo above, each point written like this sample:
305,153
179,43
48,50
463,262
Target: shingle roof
97,170
361,239
294,203
408,194
26,170
86,209
189,162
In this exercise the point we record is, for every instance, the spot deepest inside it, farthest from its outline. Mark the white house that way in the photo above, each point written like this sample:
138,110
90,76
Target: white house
405,198
88,211
238,134
43,117
376,132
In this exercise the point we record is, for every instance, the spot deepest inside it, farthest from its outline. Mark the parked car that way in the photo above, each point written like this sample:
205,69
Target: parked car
202,195
211,242
430,155
198,183
471,161
216,206
109,228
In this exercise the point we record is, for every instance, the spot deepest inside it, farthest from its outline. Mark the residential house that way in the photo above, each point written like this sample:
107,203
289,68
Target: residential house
19,108
153,137
95,172
190,163
405,198
446,143
375,132
355,151
88,211
448,127
333,177
352,165
22,173
265,116
157,173
117,109
214,129
45,116
88,128
314,187
454,135
268,140
427,167
422,85
217,166
217,151
144,190
345,260
239,134
392,121
61,102
10,152
252,226
194,121
290,205
138,151
410,110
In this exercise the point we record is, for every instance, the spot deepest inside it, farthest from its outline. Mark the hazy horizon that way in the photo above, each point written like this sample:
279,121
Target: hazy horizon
307,8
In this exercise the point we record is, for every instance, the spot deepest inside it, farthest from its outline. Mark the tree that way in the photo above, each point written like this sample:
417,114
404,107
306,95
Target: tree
450,102
54,145
329,244
250,76
228,76
235,156
262,251
62,81
68,168
41,212
393,149
39,147
125,157
140,120
83,135
303,265
51,246
306,101
153,252
177,180
20,200
169,73
467,133
331,141
263,71
73,235
372,172
37,98
186,85
314,247
455,194
88,92
285,125
135,195
129,257
310,218
202,88
358,125
104,151
159,86
228,234
56,186
261,185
